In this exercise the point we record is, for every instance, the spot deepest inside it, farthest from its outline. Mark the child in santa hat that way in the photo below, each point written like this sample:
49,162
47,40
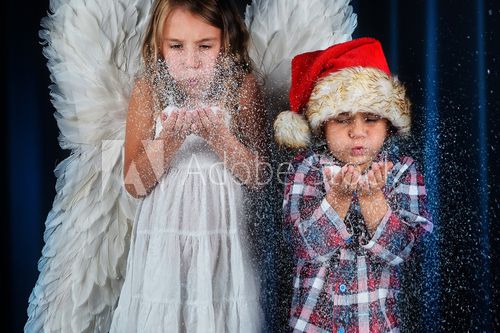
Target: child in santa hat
352,212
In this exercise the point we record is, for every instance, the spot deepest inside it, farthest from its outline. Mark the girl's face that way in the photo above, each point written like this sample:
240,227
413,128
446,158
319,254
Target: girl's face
356,138
190,48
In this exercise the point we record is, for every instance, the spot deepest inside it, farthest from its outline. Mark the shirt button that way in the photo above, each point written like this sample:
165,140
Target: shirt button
341,330
342,288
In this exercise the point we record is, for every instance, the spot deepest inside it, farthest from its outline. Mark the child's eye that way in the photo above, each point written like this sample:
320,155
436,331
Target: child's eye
342,120
176,46
372,118
205,47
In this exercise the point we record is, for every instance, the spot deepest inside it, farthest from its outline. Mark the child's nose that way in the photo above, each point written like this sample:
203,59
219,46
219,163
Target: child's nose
192,59
357,129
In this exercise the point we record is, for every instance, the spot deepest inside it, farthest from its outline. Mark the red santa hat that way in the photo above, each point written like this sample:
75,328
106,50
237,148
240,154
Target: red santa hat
347,77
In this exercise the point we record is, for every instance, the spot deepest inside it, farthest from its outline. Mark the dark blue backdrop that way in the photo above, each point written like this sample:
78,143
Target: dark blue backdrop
446,52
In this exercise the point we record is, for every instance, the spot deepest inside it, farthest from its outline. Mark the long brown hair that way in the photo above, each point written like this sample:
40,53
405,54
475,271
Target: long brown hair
222,14
234,62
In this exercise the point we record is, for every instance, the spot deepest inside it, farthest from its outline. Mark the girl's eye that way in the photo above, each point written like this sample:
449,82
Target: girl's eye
176,46
342,120
372,119
205,47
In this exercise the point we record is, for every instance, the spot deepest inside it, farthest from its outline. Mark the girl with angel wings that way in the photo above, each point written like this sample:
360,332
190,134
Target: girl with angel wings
147,231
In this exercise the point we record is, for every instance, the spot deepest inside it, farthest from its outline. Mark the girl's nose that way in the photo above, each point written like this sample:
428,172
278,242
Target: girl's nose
192,59
357,129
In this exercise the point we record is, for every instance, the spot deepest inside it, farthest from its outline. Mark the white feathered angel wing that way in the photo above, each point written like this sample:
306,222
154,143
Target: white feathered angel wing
93,51
281,29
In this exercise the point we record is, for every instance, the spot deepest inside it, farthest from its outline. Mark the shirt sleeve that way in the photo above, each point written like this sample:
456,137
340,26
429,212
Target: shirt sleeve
405,222
311,225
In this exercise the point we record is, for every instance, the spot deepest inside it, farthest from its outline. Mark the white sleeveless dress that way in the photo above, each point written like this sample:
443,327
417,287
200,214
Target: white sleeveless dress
189,267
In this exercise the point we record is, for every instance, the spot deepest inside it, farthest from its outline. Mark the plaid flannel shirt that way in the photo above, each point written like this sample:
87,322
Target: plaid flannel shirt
343,284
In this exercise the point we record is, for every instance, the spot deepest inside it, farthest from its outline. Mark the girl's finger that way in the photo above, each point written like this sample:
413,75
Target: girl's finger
378,176
180,120
194,127
167,113
208,113
363,186
348,178
334,179
214,117
328,173
386,167
371,180
203,118
356,175
338,178
344,169
186,124
171,120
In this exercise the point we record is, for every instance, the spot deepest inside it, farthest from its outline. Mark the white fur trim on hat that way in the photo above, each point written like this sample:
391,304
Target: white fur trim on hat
291,129
359,89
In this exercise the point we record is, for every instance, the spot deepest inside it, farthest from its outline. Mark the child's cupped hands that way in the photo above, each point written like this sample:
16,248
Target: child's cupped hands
205,122
375,179
343,183
349,179
176,125
208,124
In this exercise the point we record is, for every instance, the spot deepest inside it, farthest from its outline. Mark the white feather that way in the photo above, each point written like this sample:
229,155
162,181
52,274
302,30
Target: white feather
93,50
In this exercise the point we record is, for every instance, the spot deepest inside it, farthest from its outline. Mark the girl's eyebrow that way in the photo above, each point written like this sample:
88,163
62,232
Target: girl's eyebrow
369,114
204,40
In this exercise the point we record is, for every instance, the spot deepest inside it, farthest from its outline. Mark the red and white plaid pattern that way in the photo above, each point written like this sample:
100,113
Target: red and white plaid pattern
341,285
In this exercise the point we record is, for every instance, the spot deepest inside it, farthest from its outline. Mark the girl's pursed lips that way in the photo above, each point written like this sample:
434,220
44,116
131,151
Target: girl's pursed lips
358,150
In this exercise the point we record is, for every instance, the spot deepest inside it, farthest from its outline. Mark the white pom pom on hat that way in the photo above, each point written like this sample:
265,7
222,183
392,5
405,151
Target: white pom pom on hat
292,129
